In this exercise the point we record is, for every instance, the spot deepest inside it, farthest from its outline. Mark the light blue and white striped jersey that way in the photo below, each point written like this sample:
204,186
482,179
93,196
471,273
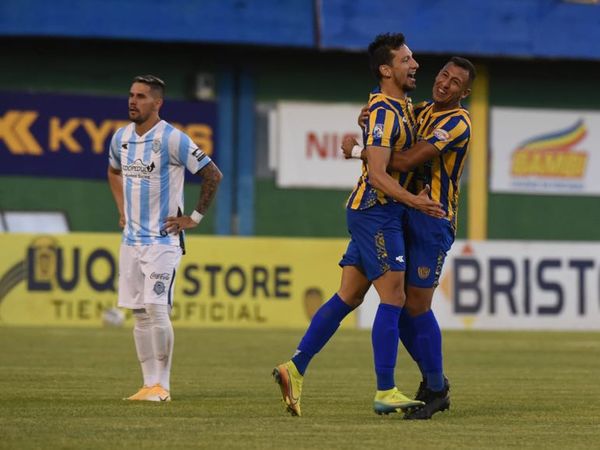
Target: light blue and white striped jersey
153,168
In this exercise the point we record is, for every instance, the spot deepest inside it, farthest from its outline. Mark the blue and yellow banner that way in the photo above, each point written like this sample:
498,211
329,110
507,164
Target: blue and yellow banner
68,135
72,280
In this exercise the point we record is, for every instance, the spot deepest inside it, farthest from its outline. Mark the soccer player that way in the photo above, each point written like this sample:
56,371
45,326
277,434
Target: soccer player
443,133
147,162
376,250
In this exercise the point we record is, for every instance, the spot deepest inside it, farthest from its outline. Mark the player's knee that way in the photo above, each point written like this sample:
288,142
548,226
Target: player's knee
352,301
397,294
394,297
400,296
418,300
159,314
416,308
353,297
142,319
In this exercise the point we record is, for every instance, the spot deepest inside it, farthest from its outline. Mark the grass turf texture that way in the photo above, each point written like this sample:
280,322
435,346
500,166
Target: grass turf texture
62,388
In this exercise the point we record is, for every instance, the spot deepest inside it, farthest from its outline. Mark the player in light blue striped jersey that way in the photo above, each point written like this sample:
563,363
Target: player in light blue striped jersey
147,163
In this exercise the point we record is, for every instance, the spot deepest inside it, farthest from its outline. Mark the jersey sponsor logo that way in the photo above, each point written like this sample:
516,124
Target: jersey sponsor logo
159,288
423,272
400,258
138,169
378,131
160,276
441,134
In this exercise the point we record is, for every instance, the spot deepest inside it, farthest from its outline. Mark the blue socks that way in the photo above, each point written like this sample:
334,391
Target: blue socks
322,326
408,336
428,342
384,337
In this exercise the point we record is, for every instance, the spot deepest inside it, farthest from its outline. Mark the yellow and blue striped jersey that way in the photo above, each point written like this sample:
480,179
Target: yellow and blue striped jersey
450,133
391,124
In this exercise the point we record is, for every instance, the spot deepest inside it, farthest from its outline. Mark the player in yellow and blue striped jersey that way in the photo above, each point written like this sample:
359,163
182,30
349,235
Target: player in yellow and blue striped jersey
391,124
437,160
374,216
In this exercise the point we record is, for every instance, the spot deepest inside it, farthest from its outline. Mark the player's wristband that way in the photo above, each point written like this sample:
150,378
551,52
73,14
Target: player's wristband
356,151
196,216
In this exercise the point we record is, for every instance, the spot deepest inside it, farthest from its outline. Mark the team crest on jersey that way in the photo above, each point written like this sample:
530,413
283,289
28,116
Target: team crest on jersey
423,272
159,287
156,145
441,134
378,131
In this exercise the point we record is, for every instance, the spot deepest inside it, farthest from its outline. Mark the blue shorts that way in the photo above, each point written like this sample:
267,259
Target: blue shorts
428,240
377,240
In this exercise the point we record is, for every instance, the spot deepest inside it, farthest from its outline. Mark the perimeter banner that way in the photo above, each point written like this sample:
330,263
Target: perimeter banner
221,282
68,135
308,145
506,285
545,151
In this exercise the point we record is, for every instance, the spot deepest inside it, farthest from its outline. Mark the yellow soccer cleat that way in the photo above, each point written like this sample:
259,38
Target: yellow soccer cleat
141,394
288,378
392,400
158,394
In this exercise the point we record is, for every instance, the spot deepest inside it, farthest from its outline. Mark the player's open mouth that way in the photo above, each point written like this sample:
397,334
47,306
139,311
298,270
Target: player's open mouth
412,76
441,91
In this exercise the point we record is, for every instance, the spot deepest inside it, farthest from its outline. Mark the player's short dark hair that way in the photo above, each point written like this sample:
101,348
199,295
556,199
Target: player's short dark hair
155,83
380,50
464,63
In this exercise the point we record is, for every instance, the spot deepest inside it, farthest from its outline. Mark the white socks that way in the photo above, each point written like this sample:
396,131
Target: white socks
142,335
162,342
153,335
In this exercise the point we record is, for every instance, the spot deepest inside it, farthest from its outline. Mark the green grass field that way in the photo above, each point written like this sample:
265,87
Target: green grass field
62,388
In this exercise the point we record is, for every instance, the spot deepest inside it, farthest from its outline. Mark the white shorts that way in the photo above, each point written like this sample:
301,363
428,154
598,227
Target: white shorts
147,274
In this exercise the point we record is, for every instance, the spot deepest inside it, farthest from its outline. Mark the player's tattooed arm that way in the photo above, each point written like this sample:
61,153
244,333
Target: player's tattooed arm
211,177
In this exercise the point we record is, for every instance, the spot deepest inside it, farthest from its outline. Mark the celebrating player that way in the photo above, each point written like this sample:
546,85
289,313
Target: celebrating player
147,162
374,215
443,132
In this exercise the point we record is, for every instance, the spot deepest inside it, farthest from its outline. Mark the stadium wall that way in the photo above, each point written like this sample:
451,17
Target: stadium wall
105,68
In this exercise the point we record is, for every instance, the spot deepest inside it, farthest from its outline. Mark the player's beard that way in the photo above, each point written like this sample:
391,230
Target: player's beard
139,118
409,85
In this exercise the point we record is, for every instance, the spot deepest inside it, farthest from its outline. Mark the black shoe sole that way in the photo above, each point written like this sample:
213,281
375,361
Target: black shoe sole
425,413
